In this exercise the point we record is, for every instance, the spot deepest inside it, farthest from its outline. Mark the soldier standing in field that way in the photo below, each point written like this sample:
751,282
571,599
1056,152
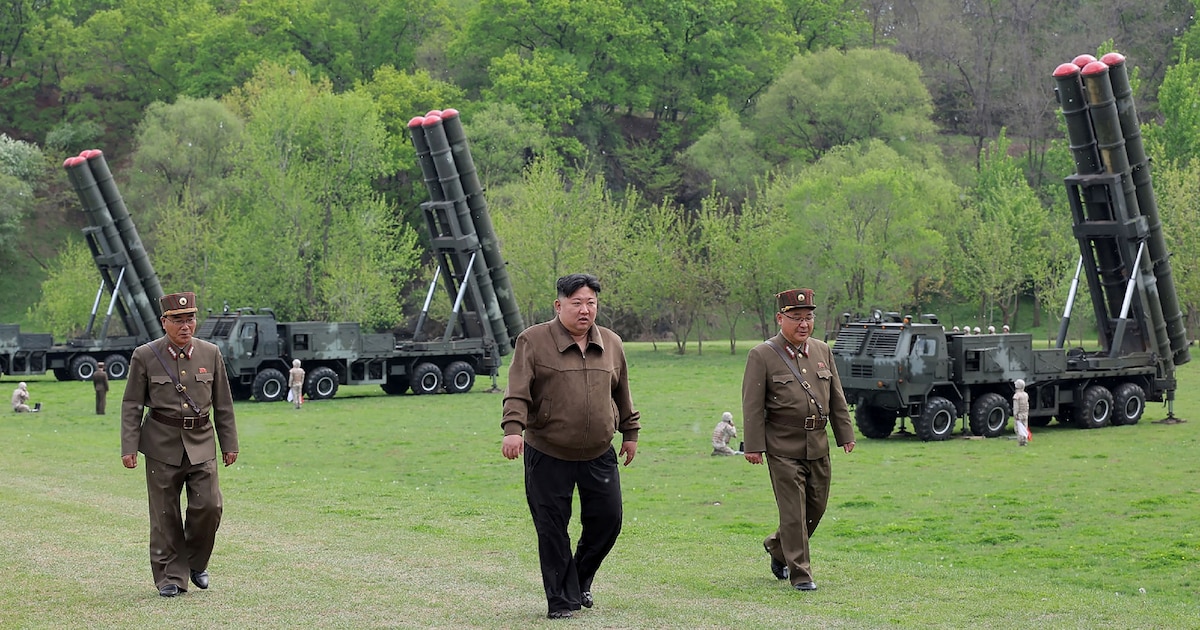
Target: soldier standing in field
296,383
100,382
1020,405
177,405
790,392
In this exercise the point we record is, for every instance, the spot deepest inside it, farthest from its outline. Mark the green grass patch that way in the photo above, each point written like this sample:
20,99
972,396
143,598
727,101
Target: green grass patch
379,511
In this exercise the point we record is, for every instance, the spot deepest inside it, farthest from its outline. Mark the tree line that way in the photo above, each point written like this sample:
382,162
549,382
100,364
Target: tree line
698,156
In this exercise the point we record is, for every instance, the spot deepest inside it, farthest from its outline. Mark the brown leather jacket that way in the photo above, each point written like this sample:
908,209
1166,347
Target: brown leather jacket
569,403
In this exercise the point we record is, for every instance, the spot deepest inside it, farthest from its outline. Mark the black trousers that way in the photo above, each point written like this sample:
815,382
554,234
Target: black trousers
549,487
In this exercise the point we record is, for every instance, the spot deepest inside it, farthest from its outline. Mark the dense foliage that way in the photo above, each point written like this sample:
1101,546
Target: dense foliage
697,155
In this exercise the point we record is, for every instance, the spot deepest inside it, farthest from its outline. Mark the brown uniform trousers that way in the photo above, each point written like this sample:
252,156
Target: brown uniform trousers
784,421
179,457
100,382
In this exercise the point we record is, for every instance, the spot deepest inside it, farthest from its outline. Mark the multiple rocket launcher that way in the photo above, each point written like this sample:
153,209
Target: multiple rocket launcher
461,229
125,268
1116,215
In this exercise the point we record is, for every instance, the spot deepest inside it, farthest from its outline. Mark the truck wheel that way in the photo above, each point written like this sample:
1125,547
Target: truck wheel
62,374
460,377
116,366
989,415
1129,402
874,422
270,386
937,420
238,391
395,386
321,384
83,367
426,379
1095,409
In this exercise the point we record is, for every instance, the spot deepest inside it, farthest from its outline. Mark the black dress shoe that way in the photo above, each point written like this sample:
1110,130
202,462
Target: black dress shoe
200,578
586,599
170,590
778,569
559,614
806,586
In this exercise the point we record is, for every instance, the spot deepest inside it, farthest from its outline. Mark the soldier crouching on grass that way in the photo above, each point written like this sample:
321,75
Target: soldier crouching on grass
180,383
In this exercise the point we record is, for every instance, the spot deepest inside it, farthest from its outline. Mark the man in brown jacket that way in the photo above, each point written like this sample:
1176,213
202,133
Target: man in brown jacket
568,392
790,392
180,383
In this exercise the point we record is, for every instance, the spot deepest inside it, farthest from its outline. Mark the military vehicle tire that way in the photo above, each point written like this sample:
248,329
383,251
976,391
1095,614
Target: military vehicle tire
321,384
989,415
82,368
460,377
62,374
239,391
394,386
116,366
1129,402
426,379
270,386
937,420
1095,409
875,423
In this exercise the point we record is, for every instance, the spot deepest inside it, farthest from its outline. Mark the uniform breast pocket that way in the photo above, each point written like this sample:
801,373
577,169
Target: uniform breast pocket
824,375
782,391
203,387
161,380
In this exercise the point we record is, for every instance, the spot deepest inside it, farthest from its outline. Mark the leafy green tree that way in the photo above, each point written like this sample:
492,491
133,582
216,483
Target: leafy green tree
1177,184
504,141
554,223
831,98
21,165
305,209
725,159
67,292
866,223
185,156
1177,137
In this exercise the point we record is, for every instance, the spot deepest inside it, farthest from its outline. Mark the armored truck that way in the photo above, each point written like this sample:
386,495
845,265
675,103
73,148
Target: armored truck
895,367
258,352
483,323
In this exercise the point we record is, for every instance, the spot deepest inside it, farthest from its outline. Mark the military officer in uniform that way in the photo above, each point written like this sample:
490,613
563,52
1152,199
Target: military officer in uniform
790,393
100,382
177,405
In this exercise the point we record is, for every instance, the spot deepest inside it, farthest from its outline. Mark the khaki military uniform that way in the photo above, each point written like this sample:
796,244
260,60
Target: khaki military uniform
296,383
180,448
721,435
1020,402
786,422
20,400
100,382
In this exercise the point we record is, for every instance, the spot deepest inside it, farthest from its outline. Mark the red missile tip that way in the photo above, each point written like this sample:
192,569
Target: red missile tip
1066,70
1113,59
434,112
73,161
449,113
432,120
91,153
1094,68
1083,60
416,121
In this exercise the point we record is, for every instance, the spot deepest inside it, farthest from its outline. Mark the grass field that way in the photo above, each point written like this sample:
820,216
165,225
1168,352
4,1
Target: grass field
377,511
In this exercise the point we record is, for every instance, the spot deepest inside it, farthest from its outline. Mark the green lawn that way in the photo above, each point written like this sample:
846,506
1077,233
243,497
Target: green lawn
377,511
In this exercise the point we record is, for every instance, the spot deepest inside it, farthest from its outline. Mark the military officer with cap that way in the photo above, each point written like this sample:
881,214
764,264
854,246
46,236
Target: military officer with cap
790,393
177,405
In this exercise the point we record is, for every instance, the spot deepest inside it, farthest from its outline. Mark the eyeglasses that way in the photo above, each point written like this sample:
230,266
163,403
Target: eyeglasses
180,321
803,318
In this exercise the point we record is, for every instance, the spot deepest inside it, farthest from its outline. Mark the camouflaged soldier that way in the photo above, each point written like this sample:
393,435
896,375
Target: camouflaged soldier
722,434
177,405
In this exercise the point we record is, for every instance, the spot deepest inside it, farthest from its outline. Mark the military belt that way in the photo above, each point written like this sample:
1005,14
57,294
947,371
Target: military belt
813,423
186,422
